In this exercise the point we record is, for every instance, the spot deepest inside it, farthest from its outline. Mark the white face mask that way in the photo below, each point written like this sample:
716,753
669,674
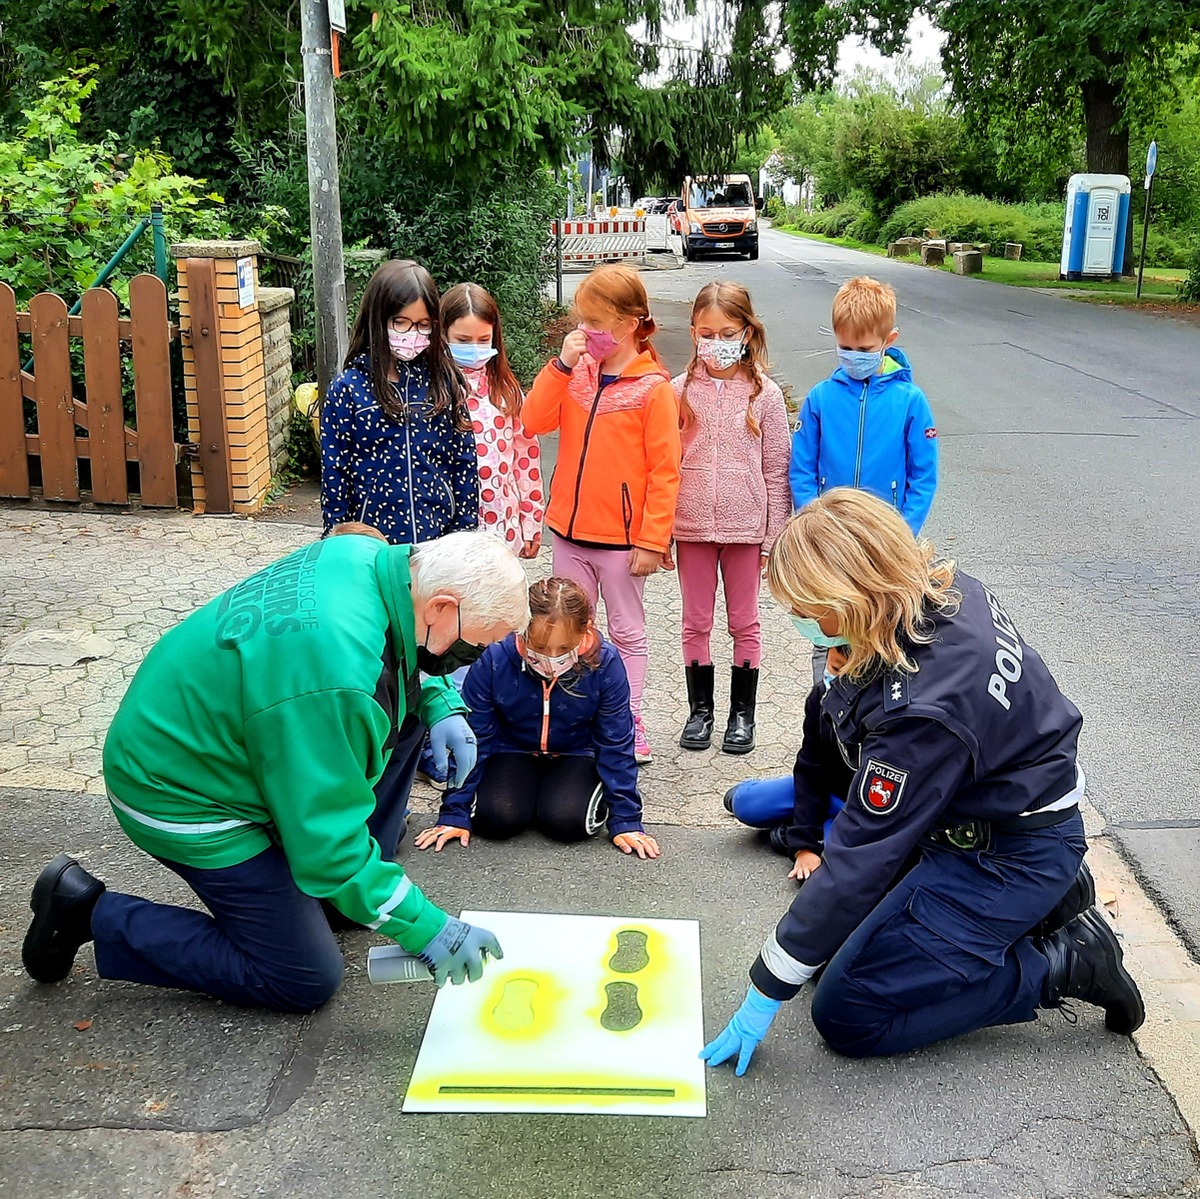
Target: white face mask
717,354
552,667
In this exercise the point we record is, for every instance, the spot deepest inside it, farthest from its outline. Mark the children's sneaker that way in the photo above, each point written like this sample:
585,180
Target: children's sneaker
641,747
428,771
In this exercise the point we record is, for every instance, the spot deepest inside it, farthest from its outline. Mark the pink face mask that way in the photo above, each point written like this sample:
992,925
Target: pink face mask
552,667
406,346
600,343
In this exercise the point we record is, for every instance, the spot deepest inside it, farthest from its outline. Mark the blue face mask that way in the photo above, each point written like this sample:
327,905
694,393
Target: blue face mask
807,627
860,364
472,357
828,680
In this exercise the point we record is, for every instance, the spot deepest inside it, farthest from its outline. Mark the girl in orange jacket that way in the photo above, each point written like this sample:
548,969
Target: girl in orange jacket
613,495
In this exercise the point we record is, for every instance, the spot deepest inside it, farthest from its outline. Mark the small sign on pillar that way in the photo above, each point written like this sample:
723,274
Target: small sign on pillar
245,282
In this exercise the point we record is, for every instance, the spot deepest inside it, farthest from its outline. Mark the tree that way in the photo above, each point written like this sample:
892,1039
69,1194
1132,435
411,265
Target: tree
1013,55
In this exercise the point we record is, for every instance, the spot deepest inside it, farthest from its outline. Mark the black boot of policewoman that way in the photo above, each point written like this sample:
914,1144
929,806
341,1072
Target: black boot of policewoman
697,732
743,701
1085,963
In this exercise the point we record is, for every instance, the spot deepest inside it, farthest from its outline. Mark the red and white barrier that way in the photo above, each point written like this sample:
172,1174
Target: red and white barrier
602,241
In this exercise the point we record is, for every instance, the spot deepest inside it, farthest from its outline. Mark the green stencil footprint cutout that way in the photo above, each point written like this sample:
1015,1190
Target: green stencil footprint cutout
631,955
622,1012
515,1009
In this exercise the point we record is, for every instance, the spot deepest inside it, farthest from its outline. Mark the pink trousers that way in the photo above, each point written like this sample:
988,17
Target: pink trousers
605,574
741,571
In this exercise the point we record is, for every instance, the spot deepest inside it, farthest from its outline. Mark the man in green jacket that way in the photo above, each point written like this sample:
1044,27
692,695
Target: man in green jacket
265,751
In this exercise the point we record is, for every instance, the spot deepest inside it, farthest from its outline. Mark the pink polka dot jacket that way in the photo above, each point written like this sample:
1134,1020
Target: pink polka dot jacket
511,499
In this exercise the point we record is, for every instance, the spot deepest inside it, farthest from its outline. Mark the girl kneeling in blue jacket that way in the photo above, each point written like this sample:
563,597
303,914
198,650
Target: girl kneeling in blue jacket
551,714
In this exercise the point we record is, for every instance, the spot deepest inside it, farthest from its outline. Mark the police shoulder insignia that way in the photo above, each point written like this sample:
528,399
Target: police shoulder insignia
881,786
895,690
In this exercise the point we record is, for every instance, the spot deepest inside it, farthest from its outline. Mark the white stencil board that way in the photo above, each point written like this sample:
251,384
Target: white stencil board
584,1014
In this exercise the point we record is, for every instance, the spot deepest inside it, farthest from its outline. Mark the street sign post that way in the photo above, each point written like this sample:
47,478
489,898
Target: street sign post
1151,167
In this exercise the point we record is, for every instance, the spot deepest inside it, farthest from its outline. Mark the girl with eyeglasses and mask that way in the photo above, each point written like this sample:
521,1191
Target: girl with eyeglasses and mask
733,501
397,451
554,732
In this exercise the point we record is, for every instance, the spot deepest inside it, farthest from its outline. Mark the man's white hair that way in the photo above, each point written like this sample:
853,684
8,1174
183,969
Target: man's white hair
481,571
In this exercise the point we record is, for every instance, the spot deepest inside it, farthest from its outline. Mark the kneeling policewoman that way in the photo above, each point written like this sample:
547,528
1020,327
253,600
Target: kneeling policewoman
963,751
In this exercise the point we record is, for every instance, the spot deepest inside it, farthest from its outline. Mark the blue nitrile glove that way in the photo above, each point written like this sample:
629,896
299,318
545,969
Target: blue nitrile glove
453,735
750,1023
459,952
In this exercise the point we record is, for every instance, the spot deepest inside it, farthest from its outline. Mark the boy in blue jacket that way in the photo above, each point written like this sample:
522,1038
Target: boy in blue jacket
868,425
550,712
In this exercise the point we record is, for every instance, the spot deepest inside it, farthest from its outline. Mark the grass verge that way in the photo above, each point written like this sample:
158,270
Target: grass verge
1159,283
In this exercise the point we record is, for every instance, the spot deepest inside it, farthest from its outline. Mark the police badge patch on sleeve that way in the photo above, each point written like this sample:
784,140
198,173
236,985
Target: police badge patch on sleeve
881,787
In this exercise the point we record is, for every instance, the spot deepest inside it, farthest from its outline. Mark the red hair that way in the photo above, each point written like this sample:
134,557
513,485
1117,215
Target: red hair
618,291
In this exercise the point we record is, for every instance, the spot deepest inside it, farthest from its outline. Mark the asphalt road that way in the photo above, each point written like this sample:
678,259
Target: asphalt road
1070,437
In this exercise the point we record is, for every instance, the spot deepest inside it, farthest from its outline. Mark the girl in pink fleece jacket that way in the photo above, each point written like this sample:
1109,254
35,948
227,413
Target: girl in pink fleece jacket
733,501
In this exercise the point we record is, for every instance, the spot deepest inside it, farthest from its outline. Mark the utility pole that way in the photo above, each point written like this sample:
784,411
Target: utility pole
324,196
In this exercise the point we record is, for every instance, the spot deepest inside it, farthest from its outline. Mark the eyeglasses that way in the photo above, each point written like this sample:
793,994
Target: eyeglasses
401,324
730,336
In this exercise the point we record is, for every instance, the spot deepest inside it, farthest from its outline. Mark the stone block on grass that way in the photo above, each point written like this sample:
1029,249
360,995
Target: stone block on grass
1012,250
933,254
968,262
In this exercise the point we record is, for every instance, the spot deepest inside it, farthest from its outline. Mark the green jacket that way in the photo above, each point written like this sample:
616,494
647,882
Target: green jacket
267,717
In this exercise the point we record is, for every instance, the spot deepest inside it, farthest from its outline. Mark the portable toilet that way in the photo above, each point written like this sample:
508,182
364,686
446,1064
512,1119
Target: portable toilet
1094,235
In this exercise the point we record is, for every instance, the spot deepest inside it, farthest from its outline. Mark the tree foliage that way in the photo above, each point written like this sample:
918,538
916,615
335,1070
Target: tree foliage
68,203
1024,59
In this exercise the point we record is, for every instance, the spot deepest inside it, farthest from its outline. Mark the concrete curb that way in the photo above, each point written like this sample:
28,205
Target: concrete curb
1166,973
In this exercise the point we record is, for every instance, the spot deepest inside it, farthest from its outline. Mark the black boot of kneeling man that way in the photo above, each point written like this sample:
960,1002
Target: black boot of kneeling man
1086,963
62,902
743,701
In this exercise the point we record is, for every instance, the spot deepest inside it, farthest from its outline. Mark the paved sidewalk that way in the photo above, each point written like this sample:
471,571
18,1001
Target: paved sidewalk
129,578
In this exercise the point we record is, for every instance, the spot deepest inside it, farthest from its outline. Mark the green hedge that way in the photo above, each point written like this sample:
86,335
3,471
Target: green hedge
1189,289
973,218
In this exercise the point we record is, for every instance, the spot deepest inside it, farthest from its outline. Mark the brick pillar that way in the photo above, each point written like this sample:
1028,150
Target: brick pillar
243,390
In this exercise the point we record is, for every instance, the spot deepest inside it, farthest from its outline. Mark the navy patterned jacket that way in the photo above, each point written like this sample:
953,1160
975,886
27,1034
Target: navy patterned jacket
414,479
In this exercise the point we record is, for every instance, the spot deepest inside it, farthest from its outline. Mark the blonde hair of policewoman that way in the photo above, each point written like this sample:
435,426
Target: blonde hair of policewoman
851,555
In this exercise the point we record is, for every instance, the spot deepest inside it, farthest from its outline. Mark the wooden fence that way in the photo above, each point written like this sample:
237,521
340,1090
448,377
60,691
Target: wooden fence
68,431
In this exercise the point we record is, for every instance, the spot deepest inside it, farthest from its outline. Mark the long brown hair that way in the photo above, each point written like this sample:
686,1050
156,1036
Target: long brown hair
563,600
619,291
394,286
732,300
469,299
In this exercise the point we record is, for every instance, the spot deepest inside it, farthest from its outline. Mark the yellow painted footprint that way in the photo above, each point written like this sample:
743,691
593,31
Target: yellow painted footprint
631,955
622,1012
514,1013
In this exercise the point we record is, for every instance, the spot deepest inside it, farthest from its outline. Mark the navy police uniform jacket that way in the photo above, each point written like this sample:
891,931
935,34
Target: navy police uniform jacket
979,732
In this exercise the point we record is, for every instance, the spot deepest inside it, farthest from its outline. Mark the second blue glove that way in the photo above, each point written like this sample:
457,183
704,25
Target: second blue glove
453,735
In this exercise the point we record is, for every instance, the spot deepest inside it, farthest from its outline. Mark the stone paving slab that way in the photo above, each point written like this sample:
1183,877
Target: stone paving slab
130,578
1035,1110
